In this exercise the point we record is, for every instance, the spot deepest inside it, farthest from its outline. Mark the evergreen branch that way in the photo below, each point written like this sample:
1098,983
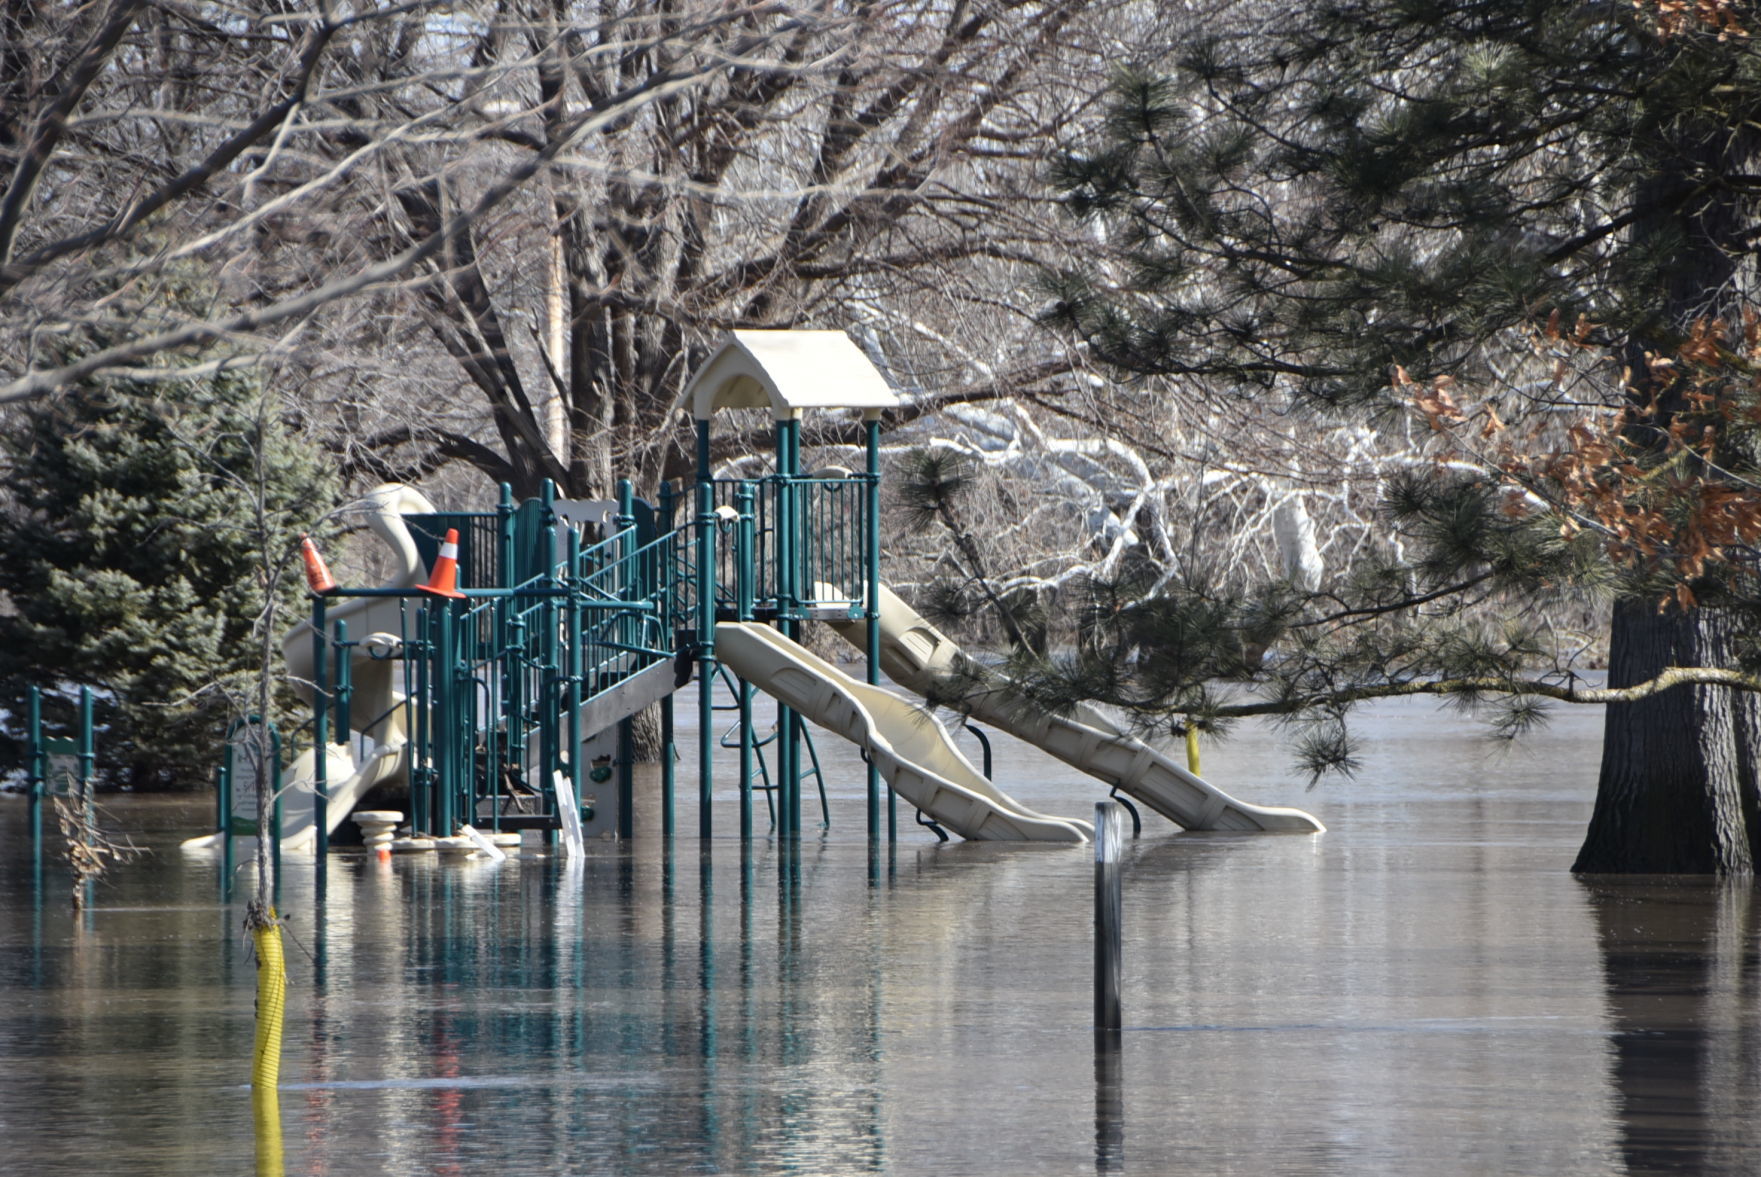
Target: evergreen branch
1399,606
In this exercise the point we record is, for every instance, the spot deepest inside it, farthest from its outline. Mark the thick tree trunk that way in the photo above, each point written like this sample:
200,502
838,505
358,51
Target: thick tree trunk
1677,793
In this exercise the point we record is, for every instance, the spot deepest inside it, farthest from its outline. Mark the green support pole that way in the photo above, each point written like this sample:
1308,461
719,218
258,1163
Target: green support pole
871,567
87,765
706,553
577,672
421,760
446,679
345,685
788,748
38,784
223,790
625,629
223,803
506,719
320,741
504,513
87,755
668,771
745,542
273,773
37,777
551,668
669,629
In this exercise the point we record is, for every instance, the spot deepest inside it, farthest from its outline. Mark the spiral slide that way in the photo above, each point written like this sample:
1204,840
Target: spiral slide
919,657
905,742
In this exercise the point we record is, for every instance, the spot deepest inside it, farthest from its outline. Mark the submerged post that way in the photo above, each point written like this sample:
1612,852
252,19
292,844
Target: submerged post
1109,906
871,595
666,571
88,757
629,585
706,554
745,547
39,779
320,743
788,760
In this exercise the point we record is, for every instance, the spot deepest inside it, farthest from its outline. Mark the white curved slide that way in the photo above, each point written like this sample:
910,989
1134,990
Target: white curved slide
905,742
375,752
918,656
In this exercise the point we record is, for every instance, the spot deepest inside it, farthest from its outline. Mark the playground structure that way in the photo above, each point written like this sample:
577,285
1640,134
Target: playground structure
508,704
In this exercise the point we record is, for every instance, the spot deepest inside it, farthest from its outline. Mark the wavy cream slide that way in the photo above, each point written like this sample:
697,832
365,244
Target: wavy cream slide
919,657
375,752
904,741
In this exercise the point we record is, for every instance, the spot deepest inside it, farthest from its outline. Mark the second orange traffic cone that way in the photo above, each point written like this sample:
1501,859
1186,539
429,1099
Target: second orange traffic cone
444,580
318,577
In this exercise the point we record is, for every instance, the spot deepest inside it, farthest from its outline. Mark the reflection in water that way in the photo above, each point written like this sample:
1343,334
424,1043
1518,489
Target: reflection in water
1679,964
1109,1104
1423,989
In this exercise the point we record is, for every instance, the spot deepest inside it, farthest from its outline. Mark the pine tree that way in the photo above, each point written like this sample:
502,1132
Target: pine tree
1372,205
135,563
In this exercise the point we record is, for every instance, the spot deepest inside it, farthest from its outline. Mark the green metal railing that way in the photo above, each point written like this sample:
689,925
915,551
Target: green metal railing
58,766
505,677
495,685
807,537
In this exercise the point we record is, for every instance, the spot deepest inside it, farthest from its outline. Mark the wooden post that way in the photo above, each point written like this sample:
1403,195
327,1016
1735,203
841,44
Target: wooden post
1109,839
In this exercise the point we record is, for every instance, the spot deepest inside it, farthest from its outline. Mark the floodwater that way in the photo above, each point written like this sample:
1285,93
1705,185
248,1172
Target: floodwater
1424,988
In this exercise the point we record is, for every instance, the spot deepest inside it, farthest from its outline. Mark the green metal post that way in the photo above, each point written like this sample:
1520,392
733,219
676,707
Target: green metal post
39,775
506,719
446,680
273,774
320,740
668,771
745,542
223,802
788,593
87,754
39,783
871,589
669,629
577,671
504,511
87,770
628,586
422,760
703,471
345,684
551,668
706,553
223,789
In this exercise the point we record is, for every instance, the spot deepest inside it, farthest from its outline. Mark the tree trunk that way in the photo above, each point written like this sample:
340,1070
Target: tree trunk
1677,789
1677,793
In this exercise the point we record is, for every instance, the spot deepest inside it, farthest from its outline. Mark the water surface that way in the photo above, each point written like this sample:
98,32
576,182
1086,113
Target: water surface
1423,989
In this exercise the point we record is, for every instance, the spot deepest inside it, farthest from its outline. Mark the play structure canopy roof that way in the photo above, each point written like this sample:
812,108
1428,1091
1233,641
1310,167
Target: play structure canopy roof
786,372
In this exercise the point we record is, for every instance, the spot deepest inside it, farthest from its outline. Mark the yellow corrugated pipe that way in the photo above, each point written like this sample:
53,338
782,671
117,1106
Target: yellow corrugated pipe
271,1002
1192,749
266,1117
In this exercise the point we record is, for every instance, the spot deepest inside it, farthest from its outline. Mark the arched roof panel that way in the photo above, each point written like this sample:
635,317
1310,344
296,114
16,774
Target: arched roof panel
787,372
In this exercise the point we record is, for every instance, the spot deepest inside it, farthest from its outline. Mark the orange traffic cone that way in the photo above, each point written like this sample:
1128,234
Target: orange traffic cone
318,577
443,582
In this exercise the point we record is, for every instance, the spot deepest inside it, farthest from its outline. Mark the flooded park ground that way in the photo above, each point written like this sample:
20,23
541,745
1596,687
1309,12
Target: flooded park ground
1424,988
